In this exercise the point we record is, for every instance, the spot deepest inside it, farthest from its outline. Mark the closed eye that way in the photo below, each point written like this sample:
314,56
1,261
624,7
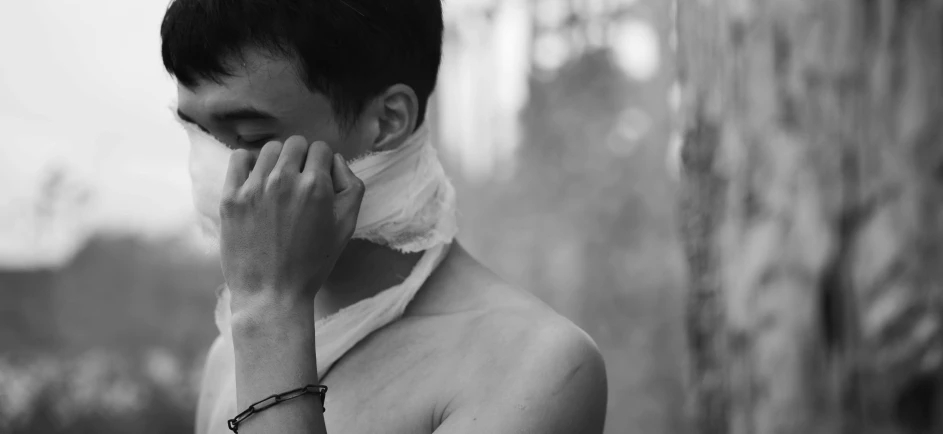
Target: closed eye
184,119
256,144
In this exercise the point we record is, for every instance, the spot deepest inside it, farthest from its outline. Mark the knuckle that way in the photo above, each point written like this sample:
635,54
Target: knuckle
250,193
307,181
322,184
282,187
321,149
279,188
276,182
229,206
323,179
314,184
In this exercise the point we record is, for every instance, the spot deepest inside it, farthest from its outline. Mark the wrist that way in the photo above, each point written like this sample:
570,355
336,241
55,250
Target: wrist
269,318
274,348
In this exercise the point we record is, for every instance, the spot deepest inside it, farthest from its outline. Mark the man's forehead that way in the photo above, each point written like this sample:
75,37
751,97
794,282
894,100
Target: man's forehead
255,73
260,65
268,82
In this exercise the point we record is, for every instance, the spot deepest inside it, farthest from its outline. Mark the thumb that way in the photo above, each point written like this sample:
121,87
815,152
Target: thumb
348,194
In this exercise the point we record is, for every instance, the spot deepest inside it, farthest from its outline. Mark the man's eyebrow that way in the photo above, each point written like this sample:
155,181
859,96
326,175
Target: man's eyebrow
240,114
243,114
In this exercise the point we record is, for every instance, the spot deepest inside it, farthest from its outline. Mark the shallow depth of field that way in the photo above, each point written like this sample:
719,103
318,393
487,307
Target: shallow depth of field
553,121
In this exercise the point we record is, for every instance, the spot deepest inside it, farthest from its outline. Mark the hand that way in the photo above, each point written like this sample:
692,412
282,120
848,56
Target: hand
284,222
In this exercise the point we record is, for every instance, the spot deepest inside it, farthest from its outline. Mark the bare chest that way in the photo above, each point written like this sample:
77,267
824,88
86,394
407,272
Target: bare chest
394,381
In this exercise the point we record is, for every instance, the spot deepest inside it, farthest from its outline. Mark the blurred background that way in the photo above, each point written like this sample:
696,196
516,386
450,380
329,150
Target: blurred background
553,120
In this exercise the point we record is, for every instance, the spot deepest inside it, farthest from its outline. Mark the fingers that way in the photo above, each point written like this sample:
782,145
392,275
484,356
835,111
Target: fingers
347,186
340,174
319,160
318,168
265,162
292,157
240,165
348,195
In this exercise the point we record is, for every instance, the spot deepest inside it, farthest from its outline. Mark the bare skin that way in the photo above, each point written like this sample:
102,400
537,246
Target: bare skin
471,354
460,343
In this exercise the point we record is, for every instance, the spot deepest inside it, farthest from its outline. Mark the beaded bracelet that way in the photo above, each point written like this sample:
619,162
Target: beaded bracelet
319,390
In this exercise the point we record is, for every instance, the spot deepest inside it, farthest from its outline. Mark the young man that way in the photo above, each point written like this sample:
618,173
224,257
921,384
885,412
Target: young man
296,88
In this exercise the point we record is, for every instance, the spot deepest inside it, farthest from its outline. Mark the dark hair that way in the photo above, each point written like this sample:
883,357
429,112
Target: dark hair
349,50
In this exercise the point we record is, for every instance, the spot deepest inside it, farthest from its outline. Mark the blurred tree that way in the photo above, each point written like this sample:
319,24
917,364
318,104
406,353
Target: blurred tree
23,295
589,230
812,214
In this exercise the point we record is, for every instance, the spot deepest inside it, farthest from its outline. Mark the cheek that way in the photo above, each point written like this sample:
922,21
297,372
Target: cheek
350,144
354,144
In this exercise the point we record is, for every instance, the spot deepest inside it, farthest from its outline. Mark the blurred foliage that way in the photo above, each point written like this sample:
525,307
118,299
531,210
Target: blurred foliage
98,391
114,342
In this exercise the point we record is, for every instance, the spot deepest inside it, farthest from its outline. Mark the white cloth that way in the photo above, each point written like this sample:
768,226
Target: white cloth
409,205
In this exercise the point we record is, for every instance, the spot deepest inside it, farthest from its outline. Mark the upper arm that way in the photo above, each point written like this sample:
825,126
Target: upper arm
556,383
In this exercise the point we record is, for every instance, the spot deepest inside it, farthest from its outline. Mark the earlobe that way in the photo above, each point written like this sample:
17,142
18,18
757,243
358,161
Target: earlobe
397,110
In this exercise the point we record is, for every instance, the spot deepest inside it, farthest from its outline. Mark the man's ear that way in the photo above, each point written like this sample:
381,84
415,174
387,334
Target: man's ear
396,111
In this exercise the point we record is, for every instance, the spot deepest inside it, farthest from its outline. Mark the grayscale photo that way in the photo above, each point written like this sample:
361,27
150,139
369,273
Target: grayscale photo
471,216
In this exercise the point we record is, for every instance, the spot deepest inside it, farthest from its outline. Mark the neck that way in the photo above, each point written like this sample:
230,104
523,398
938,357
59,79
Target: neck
363,270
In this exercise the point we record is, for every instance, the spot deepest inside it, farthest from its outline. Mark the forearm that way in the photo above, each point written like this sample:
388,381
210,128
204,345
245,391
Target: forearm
275,353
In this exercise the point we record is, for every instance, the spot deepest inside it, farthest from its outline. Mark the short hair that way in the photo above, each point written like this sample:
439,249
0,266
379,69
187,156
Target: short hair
349,50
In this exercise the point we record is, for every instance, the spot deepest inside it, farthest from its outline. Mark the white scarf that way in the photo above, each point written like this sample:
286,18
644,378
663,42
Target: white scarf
409,205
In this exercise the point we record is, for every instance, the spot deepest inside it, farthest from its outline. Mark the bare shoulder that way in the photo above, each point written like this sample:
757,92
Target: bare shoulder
512,334
524,369
528,371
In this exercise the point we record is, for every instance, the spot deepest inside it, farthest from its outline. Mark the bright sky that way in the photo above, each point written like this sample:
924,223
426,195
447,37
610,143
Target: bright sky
82,88
83,91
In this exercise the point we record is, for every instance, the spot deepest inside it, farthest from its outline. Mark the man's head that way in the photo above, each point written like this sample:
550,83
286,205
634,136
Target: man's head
354,73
